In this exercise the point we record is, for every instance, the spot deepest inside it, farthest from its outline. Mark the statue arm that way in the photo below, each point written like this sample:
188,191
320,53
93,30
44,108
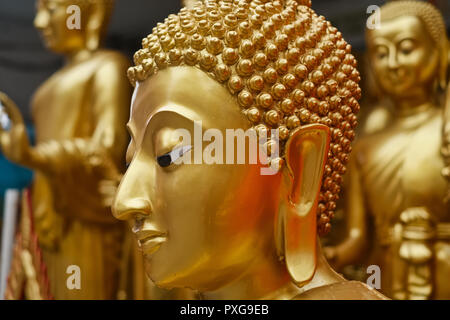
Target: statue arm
111,109
352,247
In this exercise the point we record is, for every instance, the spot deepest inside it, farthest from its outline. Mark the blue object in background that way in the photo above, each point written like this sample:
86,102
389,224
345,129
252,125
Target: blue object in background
13,176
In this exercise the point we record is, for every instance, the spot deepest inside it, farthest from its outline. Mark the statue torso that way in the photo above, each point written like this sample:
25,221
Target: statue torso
401,167
63,110
66,204
61,107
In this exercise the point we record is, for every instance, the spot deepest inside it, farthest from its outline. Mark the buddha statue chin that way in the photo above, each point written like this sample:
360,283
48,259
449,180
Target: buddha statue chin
226,230
79,115
395,175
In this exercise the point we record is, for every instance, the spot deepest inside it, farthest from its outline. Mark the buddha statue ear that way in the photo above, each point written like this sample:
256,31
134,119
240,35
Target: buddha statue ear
306,154
94,26
443,69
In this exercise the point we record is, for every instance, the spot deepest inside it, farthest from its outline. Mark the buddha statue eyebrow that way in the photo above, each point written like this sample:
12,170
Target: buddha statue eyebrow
174,111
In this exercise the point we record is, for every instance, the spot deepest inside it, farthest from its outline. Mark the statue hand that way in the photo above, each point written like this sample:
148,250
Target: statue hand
14,141
102,166
415,215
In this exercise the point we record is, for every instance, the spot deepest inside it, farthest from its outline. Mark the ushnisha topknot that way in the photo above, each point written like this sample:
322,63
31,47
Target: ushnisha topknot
286,66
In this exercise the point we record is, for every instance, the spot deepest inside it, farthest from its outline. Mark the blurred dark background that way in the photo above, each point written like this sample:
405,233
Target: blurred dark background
25,63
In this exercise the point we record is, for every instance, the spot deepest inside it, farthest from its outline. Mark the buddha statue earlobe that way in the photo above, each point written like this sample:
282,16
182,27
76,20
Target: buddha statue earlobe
93,27
306,153
443,68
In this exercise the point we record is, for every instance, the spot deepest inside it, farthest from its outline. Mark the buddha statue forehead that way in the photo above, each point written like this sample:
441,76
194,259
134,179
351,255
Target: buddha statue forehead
285,65
428,14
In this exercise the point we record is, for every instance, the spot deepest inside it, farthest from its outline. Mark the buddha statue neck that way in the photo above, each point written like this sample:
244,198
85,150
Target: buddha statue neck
78,56
414,117
411,106
268,279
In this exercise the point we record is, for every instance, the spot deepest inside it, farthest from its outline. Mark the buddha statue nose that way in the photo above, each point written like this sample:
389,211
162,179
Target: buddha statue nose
125,208
41,20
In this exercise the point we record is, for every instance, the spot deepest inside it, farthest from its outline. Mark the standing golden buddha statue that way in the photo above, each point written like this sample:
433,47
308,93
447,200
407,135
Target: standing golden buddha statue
238,234
395,175
79,115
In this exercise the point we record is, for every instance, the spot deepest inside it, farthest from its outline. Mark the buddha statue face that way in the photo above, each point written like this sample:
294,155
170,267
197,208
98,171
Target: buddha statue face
52,19
407,52
192,220
203,225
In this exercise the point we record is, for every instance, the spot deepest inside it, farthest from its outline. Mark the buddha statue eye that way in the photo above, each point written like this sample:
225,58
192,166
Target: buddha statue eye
169,158
407,46
165,160
381,52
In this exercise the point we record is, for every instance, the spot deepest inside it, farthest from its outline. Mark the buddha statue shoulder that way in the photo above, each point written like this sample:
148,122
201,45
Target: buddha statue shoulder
395,178
207,217
79,115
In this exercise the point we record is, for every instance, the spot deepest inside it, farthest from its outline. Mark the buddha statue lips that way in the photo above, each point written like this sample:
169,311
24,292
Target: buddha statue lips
231,232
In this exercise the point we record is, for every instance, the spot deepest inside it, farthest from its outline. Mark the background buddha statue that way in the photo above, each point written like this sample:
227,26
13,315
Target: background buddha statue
79,116
226,230
395,182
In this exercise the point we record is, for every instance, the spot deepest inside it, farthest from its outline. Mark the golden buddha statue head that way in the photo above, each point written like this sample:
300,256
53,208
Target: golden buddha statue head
258,65
408,51
68,26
